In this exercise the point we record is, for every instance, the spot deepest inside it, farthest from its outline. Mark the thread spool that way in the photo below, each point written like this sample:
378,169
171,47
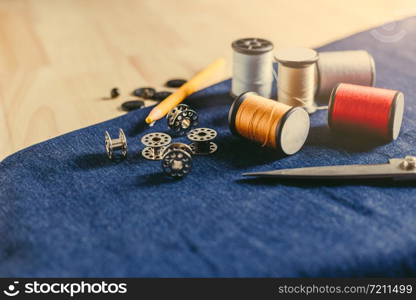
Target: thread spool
364,110
252,67
355,67
269,123
296,80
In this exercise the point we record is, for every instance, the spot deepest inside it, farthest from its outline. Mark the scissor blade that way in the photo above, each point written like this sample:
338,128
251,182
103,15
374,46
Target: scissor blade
390,170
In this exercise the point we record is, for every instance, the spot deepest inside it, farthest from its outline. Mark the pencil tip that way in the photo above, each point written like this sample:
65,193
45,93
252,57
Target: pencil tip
149,121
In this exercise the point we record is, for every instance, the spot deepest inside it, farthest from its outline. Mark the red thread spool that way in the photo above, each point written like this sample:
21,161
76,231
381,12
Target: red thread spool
366,110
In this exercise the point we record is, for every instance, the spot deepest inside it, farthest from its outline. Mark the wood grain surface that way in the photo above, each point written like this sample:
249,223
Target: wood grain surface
58,58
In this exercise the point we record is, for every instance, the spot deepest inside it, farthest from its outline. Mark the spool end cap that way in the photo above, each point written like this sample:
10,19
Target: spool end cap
397,115
252,46
294,130
296,57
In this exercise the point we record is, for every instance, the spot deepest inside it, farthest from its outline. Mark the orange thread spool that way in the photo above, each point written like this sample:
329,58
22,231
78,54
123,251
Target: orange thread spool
269,123
366,110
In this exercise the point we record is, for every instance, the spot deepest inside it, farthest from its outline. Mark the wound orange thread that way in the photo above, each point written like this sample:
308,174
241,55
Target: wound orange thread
269,123
257,119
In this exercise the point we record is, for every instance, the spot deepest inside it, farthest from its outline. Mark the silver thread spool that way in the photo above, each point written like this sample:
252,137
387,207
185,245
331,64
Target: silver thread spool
296,77
252,67
355,67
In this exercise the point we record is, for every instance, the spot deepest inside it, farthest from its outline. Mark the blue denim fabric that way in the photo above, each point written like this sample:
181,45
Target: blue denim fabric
66,210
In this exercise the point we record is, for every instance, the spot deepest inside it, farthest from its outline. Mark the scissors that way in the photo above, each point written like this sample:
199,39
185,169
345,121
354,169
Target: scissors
396,168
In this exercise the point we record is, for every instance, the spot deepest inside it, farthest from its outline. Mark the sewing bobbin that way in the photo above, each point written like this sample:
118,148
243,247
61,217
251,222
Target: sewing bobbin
252,66
155,143
366,111
269,123
296,77
181,119
177,160
201,139
112,145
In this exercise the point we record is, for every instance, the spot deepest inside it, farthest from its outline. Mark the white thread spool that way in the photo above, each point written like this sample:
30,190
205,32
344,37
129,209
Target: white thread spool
252,67
355,67
296,77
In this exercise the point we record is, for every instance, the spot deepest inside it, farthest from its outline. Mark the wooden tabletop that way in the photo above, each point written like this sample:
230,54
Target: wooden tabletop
58,58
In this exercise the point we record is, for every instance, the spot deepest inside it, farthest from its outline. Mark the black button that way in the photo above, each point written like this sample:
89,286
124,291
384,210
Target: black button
144,92
115,92
175,83
159,96
132,105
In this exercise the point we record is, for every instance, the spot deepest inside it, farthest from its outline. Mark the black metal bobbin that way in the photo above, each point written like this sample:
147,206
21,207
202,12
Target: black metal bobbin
201,139
181,119
177,160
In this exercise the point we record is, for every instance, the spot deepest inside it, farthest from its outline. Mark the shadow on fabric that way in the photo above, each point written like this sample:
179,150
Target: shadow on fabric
323,137
156,179
240,153
94,161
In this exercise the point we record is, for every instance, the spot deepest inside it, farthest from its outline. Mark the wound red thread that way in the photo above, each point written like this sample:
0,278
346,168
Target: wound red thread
362,110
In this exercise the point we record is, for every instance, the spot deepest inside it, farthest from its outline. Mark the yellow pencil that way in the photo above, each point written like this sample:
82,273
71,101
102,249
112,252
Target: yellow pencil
193,85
